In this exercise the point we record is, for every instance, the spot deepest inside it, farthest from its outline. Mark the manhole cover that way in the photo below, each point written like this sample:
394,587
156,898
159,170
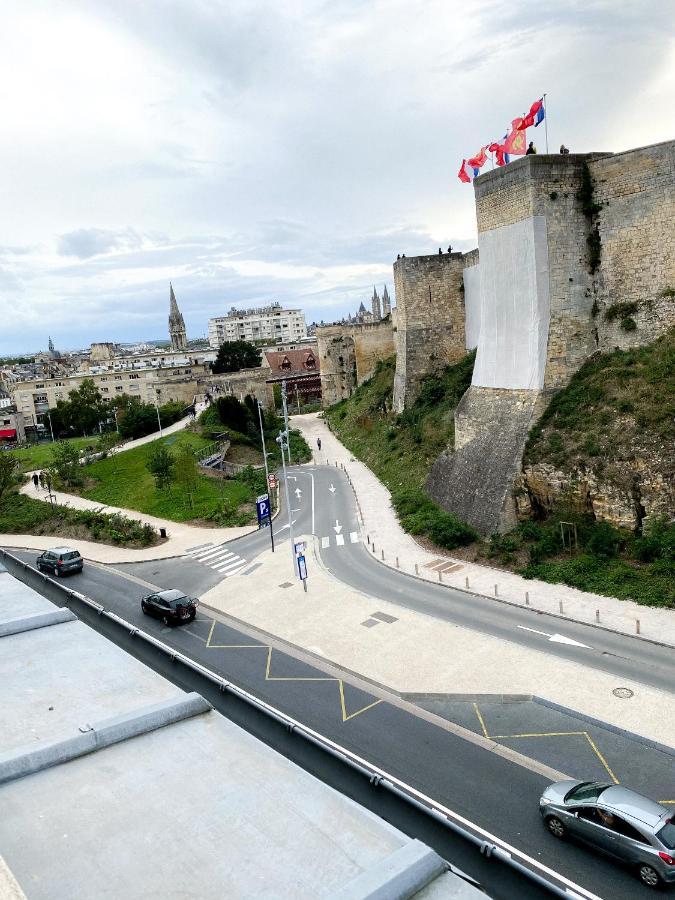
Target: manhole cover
624,693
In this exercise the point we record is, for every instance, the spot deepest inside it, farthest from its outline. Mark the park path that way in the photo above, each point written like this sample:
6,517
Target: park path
180,536
392,546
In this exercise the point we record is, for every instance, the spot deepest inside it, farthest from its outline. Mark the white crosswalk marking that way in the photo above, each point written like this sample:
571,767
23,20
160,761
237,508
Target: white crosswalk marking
218,558
340,540
325,542
353,537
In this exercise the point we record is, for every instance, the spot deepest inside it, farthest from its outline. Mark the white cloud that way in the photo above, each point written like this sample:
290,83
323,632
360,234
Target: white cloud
252,150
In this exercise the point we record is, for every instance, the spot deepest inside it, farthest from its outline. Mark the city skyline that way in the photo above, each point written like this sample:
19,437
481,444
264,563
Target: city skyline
250,154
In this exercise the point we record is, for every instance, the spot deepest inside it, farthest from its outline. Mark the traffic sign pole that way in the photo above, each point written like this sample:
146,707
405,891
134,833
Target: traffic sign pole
267,474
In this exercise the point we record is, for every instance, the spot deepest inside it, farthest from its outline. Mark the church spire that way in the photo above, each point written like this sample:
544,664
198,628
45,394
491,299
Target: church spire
176,323
386,303
375,305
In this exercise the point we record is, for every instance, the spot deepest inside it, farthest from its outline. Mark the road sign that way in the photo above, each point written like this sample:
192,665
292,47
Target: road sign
262,504
272,479
302,567
300,548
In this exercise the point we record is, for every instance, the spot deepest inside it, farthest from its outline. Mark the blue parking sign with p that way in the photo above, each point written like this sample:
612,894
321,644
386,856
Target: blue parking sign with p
263,507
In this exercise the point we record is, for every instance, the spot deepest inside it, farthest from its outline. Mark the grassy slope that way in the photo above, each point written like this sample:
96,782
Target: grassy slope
39,456
123,480
615,403
400,449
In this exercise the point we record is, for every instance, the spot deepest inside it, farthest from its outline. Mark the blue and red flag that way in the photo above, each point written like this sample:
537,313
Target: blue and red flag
470,168
535,116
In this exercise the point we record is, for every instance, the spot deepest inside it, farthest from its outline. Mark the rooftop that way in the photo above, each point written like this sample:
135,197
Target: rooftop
99,755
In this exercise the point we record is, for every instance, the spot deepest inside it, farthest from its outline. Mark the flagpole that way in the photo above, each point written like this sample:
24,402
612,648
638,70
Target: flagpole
545,121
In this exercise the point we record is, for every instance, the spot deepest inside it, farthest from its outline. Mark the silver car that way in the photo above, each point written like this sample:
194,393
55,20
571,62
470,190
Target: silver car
618,822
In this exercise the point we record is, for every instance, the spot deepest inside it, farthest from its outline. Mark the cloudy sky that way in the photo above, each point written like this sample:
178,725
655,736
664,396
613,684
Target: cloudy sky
251,150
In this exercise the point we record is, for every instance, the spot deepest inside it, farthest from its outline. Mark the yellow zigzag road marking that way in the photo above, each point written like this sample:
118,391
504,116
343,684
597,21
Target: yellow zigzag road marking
268,677
534,734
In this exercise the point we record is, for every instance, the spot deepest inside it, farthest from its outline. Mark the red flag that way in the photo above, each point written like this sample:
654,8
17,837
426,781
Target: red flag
479,160
529,118
516,144
463,174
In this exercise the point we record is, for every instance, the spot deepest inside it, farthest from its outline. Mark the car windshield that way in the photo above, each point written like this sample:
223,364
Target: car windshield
587,790
667,835
179,601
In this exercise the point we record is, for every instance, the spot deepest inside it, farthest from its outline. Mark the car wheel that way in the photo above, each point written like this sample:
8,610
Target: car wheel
144,608
556,827
649,876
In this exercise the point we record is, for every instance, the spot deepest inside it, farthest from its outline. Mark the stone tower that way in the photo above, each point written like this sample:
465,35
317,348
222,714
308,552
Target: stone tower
375,305
176,324
386,303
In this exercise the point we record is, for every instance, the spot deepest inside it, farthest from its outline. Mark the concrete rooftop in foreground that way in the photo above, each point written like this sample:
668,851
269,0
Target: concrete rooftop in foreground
116,783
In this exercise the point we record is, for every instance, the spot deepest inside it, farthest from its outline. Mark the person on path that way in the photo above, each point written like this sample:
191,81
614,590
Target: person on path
36,480
318,443
42,479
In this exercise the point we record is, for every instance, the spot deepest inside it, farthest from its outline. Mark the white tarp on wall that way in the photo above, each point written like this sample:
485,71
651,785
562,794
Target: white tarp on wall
514,308
472,305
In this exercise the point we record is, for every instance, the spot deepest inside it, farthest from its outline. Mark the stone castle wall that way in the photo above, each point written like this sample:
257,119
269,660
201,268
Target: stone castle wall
636,195
348,355
430,331
543,312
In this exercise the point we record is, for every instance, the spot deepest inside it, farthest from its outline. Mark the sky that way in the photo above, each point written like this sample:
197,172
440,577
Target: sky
252,151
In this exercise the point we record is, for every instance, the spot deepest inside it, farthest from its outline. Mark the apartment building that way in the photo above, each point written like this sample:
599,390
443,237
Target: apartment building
151,382
263,323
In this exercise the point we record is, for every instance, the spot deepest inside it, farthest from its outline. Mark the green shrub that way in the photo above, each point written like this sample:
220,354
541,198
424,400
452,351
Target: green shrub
620,311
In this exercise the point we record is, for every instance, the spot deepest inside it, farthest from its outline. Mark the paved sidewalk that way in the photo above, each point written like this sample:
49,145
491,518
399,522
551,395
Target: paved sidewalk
415,653
382,530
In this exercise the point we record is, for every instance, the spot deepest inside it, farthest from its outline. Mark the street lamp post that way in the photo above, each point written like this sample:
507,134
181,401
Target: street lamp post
267,474
159,421
283,445
285,406
50,425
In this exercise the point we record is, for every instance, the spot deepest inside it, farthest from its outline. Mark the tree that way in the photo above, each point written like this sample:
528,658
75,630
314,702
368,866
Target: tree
65,463
187,473
82,411
160,464
235,415
8,466
236,355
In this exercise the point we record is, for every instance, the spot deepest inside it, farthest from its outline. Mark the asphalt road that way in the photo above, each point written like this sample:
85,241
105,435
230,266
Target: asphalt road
485,788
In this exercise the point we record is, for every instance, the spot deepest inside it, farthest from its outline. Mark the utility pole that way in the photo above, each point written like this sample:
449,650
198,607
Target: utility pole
159,421
284,398
50,424
267,474
282,441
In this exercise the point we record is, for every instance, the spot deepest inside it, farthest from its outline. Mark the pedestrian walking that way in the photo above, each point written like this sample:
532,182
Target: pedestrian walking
36,480
41,476
318,443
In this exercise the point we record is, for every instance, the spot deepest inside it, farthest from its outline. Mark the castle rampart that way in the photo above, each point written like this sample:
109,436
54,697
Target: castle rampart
430,331
577,253
348,355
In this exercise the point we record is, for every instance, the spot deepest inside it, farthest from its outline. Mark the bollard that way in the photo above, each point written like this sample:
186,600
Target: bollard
397,565
440,575
368,539
373,546
466,581
383,554
496,591
637,626
560,606
417,570
597,615
527,598
336,464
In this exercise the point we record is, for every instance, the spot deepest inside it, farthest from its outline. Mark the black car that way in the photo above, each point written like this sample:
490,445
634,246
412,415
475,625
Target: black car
170,606
60,561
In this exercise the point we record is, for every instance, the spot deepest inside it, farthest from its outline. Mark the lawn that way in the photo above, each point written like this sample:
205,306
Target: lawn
39,456
123,480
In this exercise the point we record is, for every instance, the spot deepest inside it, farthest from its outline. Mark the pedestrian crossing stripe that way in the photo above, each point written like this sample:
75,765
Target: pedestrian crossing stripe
339,540
217,557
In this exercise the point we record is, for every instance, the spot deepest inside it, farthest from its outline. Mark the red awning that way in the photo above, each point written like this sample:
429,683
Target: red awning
7,433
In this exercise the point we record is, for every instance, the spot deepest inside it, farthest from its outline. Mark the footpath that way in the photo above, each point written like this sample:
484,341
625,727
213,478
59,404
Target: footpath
393,547
412,654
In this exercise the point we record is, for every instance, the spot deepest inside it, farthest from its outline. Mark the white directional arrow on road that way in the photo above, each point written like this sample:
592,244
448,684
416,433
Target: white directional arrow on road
337,528
556,638
298,493
332,489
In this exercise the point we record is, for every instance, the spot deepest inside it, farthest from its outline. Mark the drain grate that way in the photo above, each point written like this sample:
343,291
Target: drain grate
369,623
384,617
286,584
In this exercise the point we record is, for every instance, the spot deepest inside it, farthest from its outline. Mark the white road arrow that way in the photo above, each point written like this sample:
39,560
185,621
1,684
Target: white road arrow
298,493
332,489
556,638
337,528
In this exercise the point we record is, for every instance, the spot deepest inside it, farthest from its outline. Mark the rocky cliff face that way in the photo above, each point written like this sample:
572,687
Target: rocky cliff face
606,444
